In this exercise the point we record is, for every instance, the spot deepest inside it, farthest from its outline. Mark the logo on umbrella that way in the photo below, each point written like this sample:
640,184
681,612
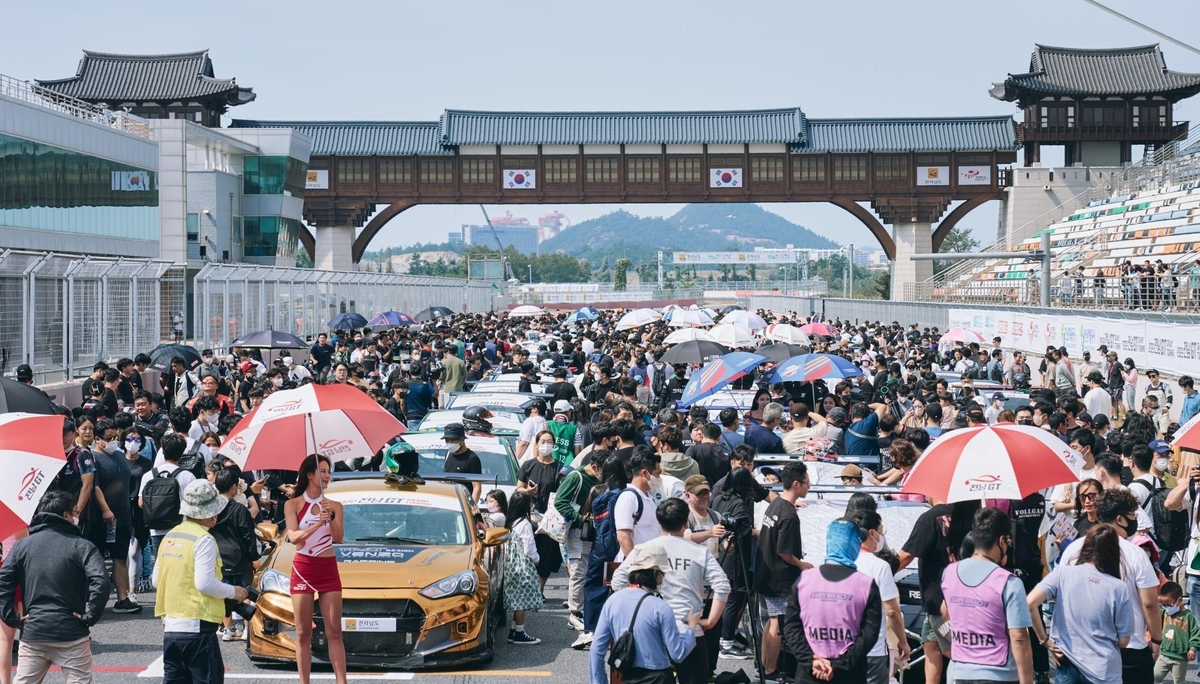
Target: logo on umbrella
983,483
29,484
789,371
710,377
237,444
335,446
287,406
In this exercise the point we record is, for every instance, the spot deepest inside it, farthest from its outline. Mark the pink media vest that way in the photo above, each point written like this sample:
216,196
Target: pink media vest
978,623
832,611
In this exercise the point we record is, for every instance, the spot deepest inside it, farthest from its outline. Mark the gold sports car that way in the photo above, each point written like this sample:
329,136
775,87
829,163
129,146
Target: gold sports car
420,582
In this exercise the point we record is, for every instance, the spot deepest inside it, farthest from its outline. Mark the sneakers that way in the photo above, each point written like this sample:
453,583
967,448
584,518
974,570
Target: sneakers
522,637
575,622
775,677
731,651
582,642
230,634
565,605
126,606
144,586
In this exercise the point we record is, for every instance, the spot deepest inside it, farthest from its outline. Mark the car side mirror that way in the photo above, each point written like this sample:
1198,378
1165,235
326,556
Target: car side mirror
266,531
495,536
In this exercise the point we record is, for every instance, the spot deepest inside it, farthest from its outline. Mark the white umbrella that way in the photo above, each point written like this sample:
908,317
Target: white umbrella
669,308
788,334
963,335
637,318
689,319
526,310
732,336
744,319
685,335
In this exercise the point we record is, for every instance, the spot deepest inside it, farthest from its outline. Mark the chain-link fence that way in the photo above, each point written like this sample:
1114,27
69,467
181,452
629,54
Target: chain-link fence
61,313
235,299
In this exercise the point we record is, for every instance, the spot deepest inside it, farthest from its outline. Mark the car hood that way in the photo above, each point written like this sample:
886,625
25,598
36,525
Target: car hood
390,566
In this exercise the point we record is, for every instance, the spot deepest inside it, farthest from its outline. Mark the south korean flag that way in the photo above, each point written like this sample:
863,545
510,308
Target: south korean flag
725,178
520,179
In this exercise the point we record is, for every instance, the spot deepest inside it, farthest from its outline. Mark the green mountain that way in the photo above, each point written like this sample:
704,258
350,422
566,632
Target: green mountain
695,227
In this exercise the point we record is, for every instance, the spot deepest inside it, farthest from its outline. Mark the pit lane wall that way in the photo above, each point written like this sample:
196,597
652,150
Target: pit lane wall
1167,342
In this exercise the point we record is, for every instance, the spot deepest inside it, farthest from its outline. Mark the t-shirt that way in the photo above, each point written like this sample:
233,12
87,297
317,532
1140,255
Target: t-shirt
862,437
700,523
466,461
646,527
927,541
530,428
1137,572
112,477
713,460
1093,610
544,475
972,572
420,400
780,533
881,572
764,440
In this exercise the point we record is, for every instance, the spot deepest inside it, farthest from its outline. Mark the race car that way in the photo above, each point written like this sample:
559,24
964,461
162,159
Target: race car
421,583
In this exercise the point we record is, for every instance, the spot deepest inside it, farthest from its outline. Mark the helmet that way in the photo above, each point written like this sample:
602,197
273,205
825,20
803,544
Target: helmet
475,418
547,366
401,459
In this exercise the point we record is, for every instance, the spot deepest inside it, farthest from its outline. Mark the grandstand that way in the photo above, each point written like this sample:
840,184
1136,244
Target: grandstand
1150,211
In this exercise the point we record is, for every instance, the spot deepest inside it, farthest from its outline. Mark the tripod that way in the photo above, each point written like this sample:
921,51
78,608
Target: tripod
751,607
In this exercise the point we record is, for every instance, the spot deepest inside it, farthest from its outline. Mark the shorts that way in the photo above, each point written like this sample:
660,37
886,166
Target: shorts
776,606
119,549
931,631
315,575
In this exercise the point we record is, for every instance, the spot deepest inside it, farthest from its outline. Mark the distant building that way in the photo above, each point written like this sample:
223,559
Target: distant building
552,224
512,231
456,238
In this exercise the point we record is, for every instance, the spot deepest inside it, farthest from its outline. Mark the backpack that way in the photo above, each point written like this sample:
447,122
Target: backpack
606,548
160,500
1169,528
997,372
193,462
621,655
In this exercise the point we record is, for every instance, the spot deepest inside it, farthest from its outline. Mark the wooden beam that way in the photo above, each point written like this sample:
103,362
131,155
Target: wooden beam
947,224
308,242
374,226
870,221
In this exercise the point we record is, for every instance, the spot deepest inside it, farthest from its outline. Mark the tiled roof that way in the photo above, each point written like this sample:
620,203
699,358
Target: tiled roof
362,137
984,133
581,128
1140,70
103,77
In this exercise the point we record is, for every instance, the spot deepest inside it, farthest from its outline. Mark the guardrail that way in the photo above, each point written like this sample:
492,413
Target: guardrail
32,93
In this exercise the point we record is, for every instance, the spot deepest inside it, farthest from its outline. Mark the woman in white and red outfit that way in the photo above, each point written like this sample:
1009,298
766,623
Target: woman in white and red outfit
314,525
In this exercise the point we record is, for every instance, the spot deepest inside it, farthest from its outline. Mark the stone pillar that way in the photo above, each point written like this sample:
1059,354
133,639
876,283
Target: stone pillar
911,238
334,244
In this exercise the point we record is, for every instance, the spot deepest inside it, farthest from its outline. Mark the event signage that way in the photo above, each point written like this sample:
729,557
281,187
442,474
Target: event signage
316,179
933,175
974,175
779,257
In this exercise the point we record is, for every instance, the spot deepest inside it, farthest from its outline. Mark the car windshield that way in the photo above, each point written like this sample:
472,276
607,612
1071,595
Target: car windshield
495,463
413,518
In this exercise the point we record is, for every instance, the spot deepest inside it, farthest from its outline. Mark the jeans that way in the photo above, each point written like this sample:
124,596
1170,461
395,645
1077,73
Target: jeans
577,565
1193,590
1067,673
34,659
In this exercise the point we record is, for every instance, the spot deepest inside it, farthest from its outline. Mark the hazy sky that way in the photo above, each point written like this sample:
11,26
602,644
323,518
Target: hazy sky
402,60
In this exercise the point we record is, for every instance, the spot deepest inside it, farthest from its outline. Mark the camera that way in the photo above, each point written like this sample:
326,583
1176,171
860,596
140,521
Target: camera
735,526
244,609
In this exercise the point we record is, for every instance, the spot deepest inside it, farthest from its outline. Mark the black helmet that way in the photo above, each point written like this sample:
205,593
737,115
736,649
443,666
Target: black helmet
475,418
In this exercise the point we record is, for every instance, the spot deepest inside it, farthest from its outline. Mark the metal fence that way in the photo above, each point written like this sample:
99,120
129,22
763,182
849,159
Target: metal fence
61,313
234,299
44,97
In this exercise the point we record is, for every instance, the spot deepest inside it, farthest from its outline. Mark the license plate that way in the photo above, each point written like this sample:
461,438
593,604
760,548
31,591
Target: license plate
368,624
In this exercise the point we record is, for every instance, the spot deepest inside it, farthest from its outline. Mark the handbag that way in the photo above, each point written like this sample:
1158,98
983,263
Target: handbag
620,655
553,524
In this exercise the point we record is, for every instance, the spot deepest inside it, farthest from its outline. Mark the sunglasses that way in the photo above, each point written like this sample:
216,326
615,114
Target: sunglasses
1090,496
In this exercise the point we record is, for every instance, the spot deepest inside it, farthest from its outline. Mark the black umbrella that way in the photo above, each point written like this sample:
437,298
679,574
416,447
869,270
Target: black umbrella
780,352
693,351
160,356
731,307
270,339
17,396
433,312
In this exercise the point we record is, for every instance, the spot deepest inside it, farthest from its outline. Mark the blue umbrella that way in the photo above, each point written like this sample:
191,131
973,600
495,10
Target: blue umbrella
717,374
586,313
270,339
391,319
348,321
809,367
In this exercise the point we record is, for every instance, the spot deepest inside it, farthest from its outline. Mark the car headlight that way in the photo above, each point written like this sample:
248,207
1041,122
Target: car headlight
276,582
463,583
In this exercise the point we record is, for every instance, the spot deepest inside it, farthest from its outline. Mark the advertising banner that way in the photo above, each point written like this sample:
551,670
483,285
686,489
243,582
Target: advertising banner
317,179
974,175
782,257
933,175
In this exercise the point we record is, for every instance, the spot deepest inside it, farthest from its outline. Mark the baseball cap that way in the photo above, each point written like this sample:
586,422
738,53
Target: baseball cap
24,372
1152,371
851,471
562,406
837,414
933,412
247,367
998,396
454,431
1158,446
696,484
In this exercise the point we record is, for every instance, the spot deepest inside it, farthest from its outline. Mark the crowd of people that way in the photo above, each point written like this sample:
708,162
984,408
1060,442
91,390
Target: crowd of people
669,530
1135,287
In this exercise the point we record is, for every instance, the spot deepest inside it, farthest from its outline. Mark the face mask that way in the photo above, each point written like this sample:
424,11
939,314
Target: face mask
405,366
1025,421
1171,610
1161,464
655,482
112,447
213,418
1130,527
545,449
208,360
278,382
133,445
493,507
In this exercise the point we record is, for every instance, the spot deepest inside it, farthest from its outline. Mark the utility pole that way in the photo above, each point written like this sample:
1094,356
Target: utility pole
660,269
850,270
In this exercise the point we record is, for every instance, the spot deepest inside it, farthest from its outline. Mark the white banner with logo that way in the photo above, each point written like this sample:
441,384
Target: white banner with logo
933,175
780,257
316,179
974,175
1173,348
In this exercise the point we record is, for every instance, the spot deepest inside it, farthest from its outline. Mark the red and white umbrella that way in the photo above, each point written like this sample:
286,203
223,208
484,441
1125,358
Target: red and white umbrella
1188,435
32,451
637,318
788,334
1002,461
339,422
963,335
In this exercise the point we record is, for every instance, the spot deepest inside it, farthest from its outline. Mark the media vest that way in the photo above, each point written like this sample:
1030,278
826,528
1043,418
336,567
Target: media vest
177,593
978,623
832,612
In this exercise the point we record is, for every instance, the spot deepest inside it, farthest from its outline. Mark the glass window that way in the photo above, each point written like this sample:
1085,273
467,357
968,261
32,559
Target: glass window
273,176
850,167
808,169
193,227
766,169
436,171
270,236
478,171
725,162
49,188
354,171
974,159
519,163
642,169
682,169
600,170
932,159
561,169
891,167
393,171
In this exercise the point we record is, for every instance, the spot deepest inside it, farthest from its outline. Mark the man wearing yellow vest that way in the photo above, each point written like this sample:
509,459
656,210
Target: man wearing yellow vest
191,596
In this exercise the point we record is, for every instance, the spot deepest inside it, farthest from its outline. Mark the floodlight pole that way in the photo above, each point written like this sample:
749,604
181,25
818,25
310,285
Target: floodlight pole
1044,254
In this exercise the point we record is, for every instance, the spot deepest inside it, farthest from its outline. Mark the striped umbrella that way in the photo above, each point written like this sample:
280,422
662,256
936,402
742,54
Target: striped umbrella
809,367
32,449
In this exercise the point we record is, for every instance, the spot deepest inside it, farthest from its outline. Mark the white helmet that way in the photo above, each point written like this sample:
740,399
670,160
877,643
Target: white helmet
547,366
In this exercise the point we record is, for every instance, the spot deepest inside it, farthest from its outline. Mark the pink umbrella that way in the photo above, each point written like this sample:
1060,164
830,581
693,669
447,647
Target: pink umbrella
819,329
32,450
1002,461
340,422
963,335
